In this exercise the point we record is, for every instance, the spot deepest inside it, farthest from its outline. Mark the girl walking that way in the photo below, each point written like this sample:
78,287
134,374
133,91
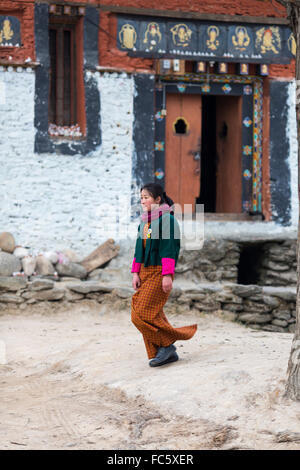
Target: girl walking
155,257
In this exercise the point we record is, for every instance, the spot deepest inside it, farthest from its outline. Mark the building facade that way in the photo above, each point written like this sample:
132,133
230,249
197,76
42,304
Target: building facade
97,99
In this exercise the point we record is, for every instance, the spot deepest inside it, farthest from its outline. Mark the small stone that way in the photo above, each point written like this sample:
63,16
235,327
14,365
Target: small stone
271,301
229,316
207,307
123,292
28,265
282,314
184,300
50,277
72,296
250,306
44,266
246,290
20,252
95,296
275,266
228,297
11,298
41,284
7,242
278,322
255,318
52,294
9,264
234,307
195,296
71,269
274,328
89,286
12,284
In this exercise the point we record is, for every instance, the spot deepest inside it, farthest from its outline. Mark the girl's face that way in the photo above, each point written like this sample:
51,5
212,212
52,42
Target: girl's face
148,202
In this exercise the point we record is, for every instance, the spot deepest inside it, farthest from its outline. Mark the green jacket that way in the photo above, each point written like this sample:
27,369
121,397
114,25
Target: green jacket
164,241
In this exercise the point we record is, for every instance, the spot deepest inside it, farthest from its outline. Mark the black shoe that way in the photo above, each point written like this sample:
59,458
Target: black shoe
163,354
155,363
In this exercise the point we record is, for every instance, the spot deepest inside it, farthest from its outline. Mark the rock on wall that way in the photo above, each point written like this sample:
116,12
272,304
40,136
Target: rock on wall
51,201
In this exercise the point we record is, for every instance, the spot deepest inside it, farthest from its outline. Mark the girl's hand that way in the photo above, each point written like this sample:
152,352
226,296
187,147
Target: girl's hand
167,283
136,281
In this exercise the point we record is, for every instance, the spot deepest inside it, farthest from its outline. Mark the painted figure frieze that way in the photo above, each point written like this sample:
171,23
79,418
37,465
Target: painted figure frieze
182,37
241,41
268,41
212,39
153,37
158,38
9,31
128,36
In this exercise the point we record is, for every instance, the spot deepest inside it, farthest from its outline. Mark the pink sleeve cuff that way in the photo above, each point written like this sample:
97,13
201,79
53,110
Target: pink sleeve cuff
168,266
135,267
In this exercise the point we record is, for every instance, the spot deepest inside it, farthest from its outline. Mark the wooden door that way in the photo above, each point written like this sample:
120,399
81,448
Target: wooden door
183,140
229,154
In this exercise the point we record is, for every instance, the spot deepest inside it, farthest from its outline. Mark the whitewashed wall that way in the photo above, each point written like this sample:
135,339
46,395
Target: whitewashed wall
53,201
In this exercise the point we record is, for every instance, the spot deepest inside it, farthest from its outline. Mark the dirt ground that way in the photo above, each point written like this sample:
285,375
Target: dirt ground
80,379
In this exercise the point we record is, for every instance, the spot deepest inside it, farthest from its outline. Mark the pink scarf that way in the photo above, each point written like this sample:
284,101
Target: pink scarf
156,213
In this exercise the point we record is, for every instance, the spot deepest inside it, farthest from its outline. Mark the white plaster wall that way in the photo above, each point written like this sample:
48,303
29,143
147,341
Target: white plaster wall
54,201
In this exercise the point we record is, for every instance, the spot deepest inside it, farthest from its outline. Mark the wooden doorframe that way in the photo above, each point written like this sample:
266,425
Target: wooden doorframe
251,89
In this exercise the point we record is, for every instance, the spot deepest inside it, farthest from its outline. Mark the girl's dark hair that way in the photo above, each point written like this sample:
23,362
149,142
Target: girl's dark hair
156,190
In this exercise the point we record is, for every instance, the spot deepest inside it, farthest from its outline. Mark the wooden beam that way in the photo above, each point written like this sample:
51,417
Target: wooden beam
194,15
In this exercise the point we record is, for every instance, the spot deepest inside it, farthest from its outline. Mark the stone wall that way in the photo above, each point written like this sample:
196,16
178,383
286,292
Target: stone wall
258,262
278,264
261,307
206,281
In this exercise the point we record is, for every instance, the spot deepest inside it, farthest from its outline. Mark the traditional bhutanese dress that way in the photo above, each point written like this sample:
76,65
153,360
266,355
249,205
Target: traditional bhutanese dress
148,301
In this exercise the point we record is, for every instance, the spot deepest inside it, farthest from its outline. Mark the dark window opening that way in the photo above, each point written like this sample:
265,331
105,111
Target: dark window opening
66,96
180,126
249,267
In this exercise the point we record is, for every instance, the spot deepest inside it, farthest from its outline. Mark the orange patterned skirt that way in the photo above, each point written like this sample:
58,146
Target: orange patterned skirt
148,316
